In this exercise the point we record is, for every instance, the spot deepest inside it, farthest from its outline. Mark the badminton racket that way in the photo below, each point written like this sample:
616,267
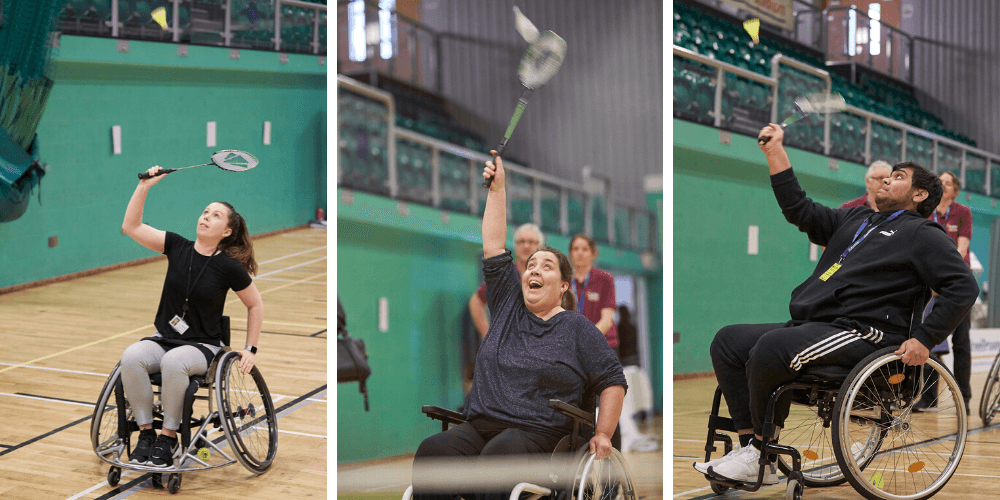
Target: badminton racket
819,103
538,65
227,159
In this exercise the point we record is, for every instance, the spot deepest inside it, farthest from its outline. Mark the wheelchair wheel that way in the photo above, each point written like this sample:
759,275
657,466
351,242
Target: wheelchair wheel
805,431
606,479
991,393
104,425
886,450
247,412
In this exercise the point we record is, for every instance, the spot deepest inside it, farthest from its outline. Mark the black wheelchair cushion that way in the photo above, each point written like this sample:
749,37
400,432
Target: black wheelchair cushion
157,380
825,373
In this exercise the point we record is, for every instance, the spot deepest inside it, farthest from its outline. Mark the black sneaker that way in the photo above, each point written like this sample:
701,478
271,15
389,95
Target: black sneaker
143,447
163,451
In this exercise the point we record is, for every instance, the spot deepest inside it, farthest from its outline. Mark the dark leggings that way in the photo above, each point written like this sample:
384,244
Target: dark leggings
478,438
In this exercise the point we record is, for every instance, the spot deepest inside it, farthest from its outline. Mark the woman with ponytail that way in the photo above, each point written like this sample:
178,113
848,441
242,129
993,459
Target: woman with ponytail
537,348
188,334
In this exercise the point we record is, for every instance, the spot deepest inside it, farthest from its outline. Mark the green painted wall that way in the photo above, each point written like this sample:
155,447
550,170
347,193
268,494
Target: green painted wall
427,268
162,102
720,190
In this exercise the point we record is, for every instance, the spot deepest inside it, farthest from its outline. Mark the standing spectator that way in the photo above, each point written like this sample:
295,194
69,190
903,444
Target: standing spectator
628,339
877,172
527,239
595,297
957,222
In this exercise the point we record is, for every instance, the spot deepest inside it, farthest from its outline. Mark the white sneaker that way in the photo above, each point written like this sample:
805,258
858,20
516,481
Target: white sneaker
743,467
702,467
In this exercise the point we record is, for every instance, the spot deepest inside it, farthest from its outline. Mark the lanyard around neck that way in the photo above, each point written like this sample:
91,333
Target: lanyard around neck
857,241
579,298
946,214
190,286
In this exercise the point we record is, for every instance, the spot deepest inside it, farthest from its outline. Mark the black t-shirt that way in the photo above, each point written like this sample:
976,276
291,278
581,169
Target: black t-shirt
525,360
208,295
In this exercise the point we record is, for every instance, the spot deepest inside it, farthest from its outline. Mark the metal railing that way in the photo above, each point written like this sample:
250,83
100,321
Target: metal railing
138,25
640,220
906,131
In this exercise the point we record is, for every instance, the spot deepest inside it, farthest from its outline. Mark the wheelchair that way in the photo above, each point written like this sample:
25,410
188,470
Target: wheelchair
243,418
857,425
989,404
589,479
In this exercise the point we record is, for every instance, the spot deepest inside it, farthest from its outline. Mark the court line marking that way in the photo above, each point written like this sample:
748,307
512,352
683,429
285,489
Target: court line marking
287,280
243,320
302,433
54,369
43,358
49,400
291,267
296,254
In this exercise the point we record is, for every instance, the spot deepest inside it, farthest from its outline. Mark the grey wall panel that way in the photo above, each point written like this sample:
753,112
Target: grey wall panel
957,64
603,109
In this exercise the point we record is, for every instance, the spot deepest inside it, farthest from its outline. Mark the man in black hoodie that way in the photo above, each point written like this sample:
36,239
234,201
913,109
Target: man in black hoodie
859,299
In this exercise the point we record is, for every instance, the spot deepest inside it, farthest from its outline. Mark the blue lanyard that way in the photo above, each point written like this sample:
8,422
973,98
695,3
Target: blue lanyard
579,298
857,241
946,214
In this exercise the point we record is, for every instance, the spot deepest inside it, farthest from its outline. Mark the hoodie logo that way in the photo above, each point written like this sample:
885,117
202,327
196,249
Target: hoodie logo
888,233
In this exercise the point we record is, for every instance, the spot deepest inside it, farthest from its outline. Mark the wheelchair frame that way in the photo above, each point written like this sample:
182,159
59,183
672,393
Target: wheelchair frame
819,386
196,450
586,463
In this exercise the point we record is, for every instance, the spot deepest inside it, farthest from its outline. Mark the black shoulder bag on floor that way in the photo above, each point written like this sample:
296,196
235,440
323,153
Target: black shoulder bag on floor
352,356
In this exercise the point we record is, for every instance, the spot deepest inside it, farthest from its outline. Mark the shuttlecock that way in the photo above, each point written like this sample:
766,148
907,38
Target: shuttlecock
160,16
753,28
525,27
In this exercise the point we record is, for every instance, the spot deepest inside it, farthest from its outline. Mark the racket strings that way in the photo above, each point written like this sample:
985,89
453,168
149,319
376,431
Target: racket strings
234,161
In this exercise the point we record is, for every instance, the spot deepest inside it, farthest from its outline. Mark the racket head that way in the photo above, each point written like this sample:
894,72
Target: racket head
821,102
234,160
542,60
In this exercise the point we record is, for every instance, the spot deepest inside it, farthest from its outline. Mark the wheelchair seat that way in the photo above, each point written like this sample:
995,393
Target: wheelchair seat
607,479
240,415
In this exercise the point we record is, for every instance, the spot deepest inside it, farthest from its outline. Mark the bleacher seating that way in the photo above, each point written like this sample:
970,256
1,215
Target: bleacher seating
716,38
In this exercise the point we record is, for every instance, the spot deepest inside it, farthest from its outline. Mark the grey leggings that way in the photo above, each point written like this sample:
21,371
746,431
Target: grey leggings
175,366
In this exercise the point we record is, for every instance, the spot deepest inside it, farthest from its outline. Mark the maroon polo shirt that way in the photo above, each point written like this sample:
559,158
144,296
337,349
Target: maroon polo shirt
957,221
861,201
599,294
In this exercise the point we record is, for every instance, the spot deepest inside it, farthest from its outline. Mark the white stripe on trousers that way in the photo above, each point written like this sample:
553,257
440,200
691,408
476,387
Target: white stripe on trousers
832,343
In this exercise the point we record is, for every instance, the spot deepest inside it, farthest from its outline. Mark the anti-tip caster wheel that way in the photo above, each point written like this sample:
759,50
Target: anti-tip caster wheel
719,489
114,475
174,483
157,479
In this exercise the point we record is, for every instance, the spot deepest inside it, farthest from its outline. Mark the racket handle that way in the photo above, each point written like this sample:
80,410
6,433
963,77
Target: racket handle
144,175
764,140
500,149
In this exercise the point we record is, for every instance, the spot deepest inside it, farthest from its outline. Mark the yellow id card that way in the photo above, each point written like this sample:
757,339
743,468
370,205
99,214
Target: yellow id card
829,272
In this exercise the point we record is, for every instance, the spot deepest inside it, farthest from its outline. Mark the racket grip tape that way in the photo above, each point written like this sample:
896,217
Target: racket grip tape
144,175
500,150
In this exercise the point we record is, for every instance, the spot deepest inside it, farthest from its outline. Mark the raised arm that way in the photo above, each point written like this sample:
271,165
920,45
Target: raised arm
777,158
495,215
145,235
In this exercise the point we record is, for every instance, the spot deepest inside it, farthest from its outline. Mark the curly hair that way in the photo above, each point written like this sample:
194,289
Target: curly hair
926,180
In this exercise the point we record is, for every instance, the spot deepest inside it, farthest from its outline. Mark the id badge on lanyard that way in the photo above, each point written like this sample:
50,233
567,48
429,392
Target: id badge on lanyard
177,322
858,238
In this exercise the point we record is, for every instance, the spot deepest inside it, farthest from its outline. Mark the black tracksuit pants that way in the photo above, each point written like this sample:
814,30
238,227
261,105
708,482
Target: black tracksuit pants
751,361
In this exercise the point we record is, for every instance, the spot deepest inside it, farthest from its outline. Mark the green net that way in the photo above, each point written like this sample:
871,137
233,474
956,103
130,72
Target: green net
24,35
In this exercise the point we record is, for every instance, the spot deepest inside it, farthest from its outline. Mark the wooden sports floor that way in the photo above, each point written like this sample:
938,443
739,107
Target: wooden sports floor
388,478
977,475
59,342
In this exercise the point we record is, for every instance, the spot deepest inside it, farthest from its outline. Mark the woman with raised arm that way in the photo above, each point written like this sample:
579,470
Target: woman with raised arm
188,320
537,348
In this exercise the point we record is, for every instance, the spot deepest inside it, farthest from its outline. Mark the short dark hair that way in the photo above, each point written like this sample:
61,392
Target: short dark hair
926,180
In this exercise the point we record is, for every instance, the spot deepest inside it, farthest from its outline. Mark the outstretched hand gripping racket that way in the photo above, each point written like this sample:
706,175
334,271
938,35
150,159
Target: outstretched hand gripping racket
538,65
819,103
227,159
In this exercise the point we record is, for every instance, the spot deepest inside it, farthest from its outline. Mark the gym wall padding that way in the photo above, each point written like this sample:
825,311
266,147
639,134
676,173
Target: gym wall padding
426,268
163,101
720,190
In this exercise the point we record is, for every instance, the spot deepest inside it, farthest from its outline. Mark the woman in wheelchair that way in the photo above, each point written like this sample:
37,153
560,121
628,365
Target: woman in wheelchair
537,347
188,336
